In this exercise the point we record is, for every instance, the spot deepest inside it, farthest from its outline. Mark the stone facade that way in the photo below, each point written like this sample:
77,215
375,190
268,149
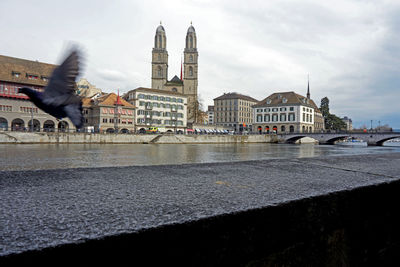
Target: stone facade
234,110
187,84
165,110
86,89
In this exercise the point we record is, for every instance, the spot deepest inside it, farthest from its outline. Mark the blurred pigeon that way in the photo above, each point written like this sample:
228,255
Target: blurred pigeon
59,98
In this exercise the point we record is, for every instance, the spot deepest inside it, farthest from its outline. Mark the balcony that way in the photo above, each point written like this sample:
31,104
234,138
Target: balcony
148,107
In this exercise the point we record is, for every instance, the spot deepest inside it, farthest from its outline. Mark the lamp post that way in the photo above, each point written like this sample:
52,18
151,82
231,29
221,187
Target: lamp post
31,117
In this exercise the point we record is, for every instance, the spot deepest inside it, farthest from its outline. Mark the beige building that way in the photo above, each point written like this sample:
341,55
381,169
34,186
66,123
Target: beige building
186,85
234,110
86,89
284,112
166,110
108,113
17,112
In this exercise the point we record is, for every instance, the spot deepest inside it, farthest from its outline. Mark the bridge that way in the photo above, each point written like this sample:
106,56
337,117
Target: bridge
371,138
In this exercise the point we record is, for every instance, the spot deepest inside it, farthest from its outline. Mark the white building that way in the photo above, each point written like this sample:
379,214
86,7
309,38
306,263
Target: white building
210,114
165,110
284,112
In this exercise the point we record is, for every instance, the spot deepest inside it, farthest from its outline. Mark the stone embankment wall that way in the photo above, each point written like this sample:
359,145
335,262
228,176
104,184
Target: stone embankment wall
82,138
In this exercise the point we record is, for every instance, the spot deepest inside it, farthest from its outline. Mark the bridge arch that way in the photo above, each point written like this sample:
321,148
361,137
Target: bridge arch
380,142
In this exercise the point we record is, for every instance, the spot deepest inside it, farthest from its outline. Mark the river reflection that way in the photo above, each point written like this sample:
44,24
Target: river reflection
47,156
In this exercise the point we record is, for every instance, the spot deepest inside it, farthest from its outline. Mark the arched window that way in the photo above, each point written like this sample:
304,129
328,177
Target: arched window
191,58
174,90
160,72
160,41
190,71
191,41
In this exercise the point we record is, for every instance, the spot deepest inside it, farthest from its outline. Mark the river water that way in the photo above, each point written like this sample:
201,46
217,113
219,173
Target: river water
50,156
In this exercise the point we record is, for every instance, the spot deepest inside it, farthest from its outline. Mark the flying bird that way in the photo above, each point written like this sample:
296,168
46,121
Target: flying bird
59,98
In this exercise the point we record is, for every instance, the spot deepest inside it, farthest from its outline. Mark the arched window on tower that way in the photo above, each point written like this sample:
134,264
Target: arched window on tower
191,41
155,41
160,72
190,71
190,58
160,41
159,57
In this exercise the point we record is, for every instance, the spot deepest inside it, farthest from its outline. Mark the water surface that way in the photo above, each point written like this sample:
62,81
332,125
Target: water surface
50,156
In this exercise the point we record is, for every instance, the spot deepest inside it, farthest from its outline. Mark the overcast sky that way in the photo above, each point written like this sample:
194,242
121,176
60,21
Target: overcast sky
350,49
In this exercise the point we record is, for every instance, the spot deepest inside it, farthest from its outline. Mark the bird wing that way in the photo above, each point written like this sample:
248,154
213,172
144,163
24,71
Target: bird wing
74,113
61,87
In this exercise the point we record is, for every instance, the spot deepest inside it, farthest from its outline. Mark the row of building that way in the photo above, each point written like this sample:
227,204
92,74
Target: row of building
169,105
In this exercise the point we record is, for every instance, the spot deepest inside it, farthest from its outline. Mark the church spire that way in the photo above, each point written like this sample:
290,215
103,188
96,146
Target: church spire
308,87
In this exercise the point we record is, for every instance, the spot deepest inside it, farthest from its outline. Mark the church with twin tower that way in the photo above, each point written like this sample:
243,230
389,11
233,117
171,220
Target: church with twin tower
187,84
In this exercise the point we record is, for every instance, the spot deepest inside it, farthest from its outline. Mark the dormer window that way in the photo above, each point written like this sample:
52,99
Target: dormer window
44,78
268,101
16,74
284,100
32,76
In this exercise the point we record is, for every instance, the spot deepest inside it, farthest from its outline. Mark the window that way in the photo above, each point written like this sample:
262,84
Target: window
259,118
291,117
266,118
191,58
160,72
304,117
275,117
104,120
168,99
190,71
274,109
283,117
291,109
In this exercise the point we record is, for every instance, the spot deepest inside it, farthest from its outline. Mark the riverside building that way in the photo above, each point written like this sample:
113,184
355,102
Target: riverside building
108,113
285,112
235,111
17,112
165,110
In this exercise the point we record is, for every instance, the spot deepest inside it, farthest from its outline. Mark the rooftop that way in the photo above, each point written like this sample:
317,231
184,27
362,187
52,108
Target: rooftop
17,70
235,95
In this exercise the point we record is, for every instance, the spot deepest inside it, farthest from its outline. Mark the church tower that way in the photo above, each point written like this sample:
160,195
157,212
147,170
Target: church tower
159,62
190,74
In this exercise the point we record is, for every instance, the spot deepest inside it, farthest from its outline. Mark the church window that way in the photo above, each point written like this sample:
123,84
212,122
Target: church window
190,71
191,58
191,42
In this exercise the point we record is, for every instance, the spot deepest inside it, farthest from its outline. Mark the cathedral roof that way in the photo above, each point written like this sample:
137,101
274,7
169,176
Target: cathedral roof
191,29
176,80
160,28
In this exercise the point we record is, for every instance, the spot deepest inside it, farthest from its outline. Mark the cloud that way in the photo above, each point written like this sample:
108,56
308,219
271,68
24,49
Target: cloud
350,50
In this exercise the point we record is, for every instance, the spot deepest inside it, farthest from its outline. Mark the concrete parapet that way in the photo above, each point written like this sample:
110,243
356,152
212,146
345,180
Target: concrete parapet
333,211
